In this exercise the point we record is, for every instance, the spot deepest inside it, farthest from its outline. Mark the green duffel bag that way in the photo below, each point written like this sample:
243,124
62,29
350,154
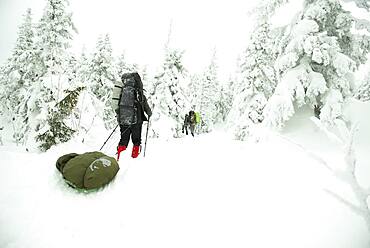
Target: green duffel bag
61,162
90,170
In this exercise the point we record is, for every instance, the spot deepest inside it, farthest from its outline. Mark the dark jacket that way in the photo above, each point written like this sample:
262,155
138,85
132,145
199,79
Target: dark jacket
142,107
132,108
186,120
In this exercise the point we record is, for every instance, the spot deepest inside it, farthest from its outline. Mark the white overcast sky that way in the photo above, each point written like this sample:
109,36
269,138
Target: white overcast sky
140,28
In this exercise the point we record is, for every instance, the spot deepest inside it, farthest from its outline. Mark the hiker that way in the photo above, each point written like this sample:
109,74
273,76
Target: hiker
186,124
189,121
192,122
131,104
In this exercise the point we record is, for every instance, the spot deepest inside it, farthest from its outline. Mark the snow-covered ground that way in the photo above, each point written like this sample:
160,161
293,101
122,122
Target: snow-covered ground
207,191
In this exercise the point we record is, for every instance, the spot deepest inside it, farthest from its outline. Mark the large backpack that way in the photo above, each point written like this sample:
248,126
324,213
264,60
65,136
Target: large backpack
197,118
128,103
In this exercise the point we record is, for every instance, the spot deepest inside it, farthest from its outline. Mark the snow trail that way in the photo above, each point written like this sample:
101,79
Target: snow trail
207,191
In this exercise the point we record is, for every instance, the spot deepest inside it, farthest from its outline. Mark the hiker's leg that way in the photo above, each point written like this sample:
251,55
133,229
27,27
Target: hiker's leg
136,134
125,135
192,127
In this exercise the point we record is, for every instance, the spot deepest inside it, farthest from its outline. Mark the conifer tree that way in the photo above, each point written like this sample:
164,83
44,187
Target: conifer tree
320,52
55,32
209,97
82,69
153,101
102,75
194,91
19,72
168,93
225,103
59,129
256,79
363,92
23,61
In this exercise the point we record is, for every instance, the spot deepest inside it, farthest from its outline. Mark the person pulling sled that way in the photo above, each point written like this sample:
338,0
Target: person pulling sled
131,106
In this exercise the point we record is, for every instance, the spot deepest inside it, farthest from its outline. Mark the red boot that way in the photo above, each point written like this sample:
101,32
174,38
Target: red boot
135,151
119,150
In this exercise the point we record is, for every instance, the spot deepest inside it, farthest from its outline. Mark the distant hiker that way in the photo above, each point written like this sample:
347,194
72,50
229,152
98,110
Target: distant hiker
189,122
186,124
192,121
130,104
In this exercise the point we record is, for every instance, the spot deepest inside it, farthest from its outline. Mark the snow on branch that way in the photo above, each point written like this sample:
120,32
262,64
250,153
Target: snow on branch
348,175
365,4
362,24
353,207
324,129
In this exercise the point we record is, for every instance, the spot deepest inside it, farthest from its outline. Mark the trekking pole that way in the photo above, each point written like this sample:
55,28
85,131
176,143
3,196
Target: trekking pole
146,136
109,137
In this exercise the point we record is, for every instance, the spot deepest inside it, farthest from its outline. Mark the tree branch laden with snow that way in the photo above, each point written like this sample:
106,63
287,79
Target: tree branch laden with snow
322,42
348,175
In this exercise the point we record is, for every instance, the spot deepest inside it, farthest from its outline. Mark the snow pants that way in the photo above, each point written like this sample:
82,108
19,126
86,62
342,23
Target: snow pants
133,131
191,127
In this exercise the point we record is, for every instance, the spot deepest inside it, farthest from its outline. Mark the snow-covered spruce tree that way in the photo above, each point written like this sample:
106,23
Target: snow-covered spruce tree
167,96
209,97
71,72
24,59
55,31
19,72
257,76
59,127
77,74
193,90
3,103
153,101
102,75
225,103
86,114
81,69
363,92
319,55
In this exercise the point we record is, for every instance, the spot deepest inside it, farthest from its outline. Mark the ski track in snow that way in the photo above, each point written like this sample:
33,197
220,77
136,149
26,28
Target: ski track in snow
207,191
